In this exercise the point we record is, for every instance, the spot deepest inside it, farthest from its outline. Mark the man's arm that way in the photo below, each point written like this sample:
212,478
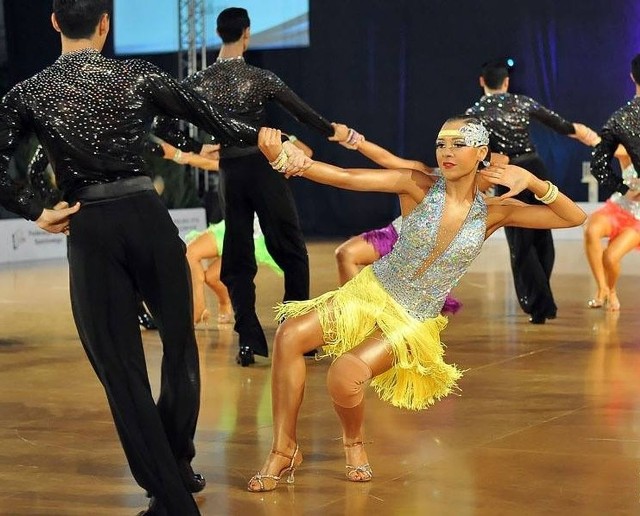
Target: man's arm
13,127
550,118
297,107
601,160
171,99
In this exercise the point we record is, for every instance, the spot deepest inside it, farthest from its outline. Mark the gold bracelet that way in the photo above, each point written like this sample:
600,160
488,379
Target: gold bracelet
177,157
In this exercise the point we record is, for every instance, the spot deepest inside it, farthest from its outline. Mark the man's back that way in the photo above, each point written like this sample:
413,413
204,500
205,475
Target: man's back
91,114
508,118
244,90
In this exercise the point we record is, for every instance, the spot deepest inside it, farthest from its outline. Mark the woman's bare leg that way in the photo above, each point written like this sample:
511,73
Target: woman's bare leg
352,255
625,242
202,248
376,354
212,279
597,227
294,337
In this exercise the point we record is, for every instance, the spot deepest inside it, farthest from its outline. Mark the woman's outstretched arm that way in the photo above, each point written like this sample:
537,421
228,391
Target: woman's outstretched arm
398,181
376,153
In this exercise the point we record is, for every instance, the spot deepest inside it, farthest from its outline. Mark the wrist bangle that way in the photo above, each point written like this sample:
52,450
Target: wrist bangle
550,196
293,138
280,163
177,157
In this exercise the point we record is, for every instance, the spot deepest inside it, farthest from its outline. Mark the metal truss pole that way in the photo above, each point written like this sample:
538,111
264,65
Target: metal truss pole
192,51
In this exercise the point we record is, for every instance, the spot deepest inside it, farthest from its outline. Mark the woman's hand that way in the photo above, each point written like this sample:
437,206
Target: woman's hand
517,179
270,142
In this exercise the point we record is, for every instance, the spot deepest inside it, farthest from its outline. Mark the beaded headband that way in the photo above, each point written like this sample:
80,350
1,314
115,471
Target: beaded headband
474,135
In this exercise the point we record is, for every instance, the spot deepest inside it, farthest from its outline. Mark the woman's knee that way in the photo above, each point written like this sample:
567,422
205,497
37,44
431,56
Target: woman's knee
344,253
346,379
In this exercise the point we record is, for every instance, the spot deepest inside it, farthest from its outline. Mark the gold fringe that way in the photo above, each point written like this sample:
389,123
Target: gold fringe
352,313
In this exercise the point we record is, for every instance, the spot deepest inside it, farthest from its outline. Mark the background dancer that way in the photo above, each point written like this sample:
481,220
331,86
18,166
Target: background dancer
622,128
508,118
385,323
207,246
247,183
619,221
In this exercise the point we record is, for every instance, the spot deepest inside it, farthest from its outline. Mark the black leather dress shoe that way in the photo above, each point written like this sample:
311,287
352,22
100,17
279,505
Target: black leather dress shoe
537,319
194,482
245,356
146,321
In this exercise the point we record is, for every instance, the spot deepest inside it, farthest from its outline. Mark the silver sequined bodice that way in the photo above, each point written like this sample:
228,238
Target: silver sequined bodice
622,128
508,116
422,292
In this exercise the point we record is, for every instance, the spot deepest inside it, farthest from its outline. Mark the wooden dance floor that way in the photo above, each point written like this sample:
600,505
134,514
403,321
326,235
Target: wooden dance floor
547,421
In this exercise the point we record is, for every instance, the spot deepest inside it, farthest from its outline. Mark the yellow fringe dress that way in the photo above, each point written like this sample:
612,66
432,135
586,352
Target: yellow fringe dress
389,296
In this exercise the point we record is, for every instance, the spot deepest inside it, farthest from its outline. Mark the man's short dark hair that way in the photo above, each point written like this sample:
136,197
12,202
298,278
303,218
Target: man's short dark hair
635,69
78,19
231,24
494,73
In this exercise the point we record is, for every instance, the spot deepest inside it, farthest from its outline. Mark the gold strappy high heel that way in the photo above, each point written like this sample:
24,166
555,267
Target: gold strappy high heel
274,479
203,320
362,473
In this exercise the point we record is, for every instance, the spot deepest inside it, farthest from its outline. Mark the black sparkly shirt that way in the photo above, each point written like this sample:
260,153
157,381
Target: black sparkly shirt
622,128
245,91
92,115
508,116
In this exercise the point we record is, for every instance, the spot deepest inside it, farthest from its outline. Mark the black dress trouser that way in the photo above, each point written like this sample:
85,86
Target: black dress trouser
532,252
248,186
117,248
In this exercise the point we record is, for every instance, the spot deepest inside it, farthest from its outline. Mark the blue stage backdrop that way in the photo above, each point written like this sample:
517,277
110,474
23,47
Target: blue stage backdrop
396,70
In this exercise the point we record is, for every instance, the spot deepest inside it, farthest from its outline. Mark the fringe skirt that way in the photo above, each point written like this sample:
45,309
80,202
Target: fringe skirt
419,376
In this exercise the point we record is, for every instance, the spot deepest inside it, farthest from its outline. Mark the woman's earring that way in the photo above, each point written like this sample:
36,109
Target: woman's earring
485,163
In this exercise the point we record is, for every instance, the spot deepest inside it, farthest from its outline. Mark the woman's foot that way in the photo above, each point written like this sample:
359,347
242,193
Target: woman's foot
358,468
613,304
278,464
202,321
225,315
600,300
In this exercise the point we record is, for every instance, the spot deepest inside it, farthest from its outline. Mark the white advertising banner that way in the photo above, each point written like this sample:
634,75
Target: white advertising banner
21,240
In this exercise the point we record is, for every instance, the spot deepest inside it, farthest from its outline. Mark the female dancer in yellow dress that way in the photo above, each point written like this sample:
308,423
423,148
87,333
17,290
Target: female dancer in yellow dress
384,325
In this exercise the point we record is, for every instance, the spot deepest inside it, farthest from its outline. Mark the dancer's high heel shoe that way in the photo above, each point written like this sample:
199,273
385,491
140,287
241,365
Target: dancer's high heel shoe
257,482
596,303
203,321
614,303
225,319
362,473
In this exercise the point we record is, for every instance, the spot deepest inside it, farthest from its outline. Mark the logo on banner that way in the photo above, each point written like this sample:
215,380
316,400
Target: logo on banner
18,238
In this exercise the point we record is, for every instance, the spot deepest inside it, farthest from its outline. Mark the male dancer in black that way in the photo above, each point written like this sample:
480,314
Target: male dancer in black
248,184
507,117
92,116
622,128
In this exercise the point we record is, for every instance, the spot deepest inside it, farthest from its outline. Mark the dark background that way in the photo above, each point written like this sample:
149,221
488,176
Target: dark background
396,69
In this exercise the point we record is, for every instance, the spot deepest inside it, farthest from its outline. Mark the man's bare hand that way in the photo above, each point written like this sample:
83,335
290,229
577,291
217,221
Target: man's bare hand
340,133
270,142
56,220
